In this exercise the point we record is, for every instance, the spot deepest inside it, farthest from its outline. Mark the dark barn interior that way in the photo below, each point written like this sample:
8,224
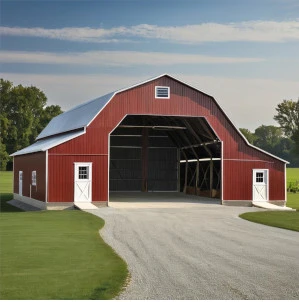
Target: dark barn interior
165,154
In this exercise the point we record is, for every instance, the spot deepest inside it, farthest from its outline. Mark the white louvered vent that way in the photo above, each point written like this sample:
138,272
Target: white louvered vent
162,92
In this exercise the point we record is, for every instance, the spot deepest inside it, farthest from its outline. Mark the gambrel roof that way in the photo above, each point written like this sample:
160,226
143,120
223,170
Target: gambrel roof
48,143
76,118
74,122
82,115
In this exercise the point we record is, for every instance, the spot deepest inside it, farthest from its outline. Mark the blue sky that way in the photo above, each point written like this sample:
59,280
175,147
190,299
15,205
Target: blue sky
244,53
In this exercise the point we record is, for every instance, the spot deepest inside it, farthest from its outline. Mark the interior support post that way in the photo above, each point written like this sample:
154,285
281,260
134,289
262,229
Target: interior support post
144,187
178,170
211,178
197,175
186,176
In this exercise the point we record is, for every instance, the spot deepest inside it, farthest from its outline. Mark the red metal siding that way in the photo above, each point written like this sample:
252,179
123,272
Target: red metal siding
28,163
184,101
61,177
238,179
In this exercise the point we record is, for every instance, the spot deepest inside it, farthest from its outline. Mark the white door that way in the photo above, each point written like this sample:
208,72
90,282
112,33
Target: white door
260,185
21,183
83,180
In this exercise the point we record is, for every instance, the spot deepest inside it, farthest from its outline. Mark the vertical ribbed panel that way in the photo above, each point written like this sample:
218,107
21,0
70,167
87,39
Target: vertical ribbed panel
28,163
61,177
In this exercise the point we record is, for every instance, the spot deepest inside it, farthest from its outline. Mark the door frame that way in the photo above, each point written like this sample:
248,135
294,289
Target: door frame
21,187
266,172
76,178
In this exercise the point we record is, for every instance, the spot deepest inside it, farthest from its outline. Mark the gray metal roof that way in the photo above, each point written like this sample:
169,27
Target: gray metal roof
48,143
81,116
76,118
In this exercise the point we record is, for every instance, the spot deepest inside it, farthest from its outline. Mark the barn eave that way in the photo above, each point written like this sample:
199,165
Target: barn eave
48,143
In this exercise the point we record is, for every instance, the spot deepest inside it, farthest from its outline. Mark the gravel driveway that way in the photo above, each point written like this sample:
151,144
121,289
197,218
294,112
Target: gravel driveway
202,252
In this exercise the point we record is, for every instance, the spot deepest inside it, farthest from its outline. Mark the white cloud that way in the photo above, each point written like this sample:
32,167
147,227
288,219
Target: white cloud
116,58
249,103
252,31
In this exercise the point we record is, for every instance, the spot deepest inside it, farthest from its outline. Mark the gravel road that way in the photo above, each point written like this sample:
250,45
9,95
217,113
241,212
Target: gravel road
202,252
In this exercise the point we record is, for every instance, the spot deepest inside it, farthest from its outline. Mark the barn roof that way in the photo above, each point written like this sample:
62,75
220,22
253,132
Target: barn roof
48,143
82,115
78,118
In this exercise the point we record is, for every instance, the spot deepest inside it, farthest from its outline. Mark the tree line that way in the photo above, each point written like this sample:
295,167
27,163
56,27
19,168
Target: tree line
24,114
281,141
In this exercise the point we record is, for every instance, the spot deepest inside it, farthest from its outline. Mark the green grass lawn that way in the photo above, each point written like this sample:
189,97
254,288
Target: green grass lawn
292,174
54,254
280,219
6,181
293,198
57,255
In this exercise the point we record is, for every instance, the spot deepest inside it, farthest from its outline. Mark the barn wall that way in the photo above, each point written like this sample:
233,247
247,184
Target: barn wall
184,101
238,179
28,163
61,177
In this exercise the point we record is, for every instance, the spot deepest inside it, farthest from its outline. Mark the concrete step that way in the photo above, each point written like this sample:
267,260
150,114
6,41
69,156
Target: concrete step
85,205
270,206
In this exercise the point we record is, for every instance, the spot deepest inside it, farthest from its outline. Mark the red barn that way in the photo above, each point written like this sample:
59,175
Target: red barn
161,135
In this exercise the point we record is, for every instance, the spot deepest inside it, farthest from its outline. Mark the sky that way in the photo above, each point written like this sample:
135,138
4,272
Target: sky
244,53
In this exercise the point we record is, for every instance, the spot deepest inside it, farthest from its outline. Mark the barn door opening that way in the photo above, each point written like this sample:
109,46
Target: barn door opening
151,153
21,183
82,182
260,185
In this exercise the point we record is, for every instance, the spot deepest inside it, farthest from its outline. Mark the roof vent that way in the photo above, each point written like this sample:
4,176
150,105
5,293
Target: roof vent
162,92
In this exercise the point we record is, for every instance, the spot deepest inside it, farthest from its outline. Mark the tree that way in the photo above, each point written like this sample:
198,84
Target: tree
23,115
268,137
288,117
4,156
249,135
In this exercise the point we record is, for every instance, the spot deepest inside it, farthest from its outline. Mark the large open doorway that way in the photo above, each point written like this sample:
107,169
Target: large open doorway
165,154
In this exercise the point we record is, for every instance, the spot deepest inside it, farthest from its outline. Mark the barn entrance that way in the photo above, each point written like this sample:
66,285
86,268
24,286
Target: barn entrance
165,154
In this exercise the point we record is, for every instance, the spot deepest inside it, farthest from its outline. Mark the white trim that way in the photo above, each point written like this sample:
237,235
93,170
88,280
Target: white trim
21,191
33,178
178,174
108,158
47,176
163,97
13,175
249,160
285,182
222,161
108,165
267,183
201,159
168,115
83,164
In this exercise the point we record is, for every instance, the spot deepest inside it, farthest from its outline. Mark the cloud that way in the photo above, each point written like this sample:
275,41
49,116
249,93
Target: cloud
251,31
117,58
249,103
